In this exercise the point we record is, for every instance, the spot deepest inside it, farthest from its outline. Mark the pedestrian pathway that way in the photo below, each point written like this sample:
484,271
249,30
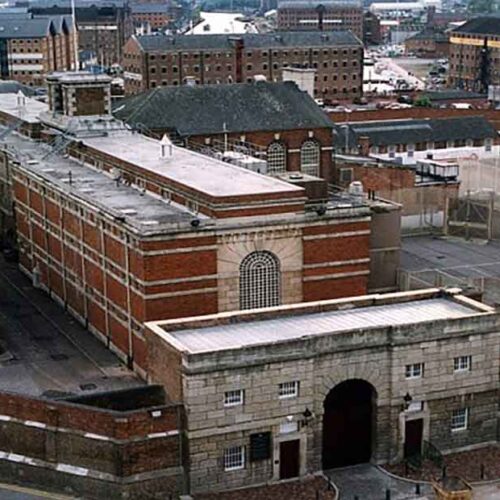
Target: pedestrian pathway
368,482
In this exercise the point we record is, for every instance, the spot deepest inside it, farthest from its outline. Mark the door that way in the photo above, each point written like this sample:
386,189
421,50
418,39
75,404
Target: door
289,459
413,437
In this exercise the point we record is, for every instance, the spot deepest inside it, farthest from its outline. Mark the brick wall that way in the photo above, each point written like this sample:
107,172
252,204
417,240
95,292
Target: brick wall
62,438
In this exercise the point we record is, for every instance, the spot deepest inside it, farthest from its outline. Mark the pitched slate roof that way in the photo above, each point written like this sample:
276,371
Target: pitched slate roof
211,109
13,87
429,34
385,133
313,4
250,40
484,25
25,28
150,8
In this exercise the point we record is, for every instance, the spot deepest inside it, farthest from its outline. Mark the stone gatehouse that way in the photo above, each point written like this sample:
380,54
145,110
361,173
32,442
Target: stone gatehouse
272,394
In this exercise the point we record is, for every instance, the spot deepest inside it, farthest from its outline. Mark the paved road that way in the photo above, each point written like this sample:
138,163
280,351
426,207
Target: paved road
11,492
367,482
44,351
487,492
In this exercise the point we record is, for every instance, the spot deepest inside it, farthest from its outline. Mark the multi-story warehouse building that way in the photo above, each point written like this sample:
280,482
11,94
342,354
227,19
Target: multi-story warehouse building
31,48
103,27
474,54
124,229
276,394
337,56
328,15
153,15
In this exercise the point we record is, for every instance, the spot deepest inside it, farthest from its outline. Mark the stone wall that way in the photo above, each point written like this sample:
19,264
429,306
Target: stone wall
378,356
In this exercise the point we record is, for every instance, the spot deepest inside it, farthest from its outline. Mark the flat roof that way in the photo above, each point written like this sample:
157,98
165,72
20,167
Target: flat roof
289,327
199,172
29,112
145,212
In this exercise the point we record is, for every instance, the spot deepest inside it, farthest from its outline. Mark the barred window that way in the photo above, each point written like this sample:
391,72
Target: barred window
234,458
276,158
259,280
460,419
288,389
309,158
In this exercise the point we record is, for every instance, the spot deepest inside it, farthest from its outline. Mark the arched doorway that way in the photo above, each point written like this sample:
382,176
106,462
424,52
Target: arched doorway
348,424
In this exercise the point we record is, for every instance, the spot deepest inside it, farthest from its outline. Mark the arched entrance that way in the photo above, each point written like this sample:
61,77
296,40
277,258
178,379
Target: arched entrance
348,424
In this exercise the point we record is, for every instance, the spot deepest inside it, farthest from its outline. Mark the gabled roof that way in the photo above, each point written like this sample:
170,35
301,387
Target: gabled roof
386,133
484,25
13,87
429,34
314,4
25,28
150,8
211,109
250,40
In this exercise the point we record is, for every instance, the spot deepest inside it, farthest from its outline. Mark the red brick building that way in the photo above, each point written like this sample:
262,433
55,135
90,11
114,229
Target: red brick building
161,60
327,15
32,48
274,122
156,15
128,229
428,43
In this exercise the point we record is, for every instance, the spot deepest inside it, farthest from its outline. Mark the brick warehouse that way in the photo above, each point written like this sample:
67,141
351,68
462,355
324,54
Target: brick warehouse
276,394
321,15
154,60
125,229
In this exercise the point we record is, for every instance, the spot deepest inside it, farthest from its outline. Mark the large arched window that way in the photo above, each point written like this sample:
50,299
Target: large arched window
276,158
259,281
309,158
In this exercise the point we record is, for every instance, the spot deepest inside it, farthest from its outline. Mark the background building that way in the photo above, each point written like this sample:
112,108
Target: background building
428,43
274,122
31,48
155,15
328,15
152,61
103,28
475,54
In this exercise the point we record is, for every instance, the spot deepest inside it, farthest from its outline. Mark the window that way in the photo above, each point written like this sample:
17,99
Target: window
276,158
462,363
459,419
259,280
346,175
309,158
234,458
415,370
234,398
288,390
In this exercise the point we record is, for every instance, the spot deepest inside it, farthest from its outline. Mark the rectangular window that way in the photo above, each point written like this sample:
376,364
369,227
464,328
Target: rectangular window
346,175
234,458
459,419
234,398
462,364
415,370
289,389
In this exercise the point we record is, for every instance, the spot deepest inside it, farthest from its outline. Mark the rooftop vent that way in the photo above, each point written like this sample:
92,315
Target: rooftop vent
128,211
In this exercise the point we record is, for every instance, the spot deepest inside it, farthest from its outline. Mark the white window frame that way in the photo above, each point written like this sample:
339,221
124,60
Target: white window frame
391,150
288,390
342,172
234,397
276,158
488,144
462,364
260,280
310,158
459,419
414,370
234,458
